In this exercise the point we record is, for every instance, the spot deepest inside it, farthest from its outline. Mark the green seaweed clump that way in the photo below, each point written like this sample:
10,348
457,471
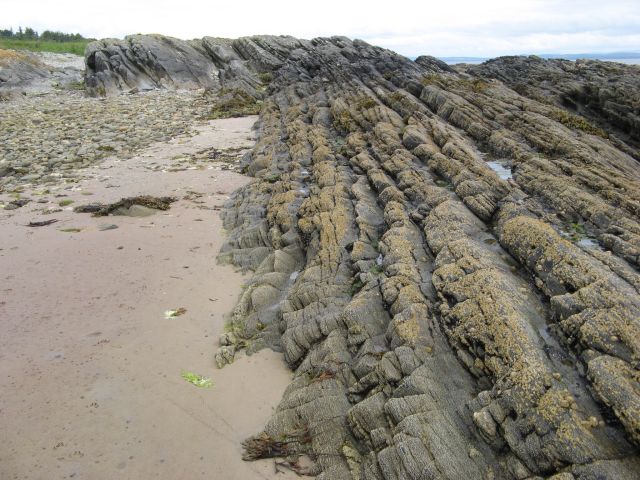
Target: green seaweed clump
197,380
577,232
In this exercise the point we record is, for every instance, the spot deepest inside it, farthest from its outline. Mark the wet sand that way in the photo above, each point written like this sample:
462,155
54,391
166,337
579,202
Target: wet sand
90,368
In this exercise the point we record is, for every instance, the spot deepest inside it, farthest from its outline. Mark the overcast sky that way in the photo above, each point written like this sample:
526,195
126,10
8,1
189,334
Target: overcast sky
441,28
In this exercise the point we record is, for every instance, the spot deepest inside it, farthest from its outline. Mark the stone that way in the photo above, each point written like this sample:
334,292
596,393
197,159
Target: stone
225,355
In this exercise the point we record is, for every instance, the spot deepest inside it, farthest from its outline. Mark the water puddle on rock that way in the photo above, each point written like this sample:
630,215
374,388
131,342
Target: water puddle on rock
576,234
589,243
501,166
502,169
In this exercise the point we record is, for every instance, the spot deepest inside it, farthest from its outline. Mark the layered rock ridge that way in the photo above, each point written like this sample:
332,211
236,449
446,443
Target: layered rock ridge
450,267
606,93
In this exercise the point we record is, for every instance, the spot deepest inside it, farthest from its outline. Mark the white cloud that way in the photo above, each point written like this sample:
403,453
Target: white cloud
453,27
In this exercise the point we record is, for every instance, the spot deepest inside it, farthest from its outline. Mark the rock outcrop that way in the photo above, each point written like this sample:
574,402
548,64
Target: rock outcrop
605,93
23,73
145,62
449,266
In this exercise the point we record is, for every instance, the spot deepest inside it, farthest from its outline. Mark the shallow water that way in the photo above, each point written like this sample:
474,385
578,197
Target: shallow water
479,60
588,243
503,171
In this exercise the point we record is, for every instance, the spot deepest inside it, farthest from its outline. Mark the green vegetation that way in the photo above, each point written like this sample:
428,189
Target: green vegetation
376,270
364,102
432,79
234,103
397,96
175,313
476,85
343,122
266,77
44,46
272,178
65,202
47,41
197,380
577,232
76,85
577,123
30,34
356,286
236,328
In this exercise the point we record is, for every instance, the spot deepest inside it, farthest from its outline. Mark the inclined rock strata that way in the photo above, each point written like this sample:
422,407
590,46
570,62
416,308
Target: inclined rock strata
604,92
146,62
450,267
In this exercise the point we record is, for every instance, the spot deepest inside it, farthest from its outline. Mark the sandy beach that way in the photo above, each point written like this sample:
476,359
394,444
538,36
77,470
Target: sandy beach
90,365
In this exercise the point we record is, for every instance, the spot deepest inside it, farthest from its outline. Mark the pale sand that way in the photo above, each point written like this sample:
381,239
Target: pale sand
90,368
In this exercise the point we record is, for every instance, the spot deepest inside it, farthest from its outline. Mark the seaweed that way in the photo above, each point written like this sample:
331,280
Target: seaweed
576,122
101,210
197,380
234,103
265,446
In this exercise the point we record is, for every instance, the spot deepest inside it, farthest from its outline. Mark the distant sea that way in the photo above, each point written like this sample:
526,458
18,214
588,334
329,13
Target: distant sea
631,58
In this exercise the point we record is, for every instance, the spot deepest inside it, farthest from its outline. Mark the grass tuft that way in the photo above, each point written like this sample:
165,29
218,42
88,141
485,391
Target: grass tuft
76,48
577,232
